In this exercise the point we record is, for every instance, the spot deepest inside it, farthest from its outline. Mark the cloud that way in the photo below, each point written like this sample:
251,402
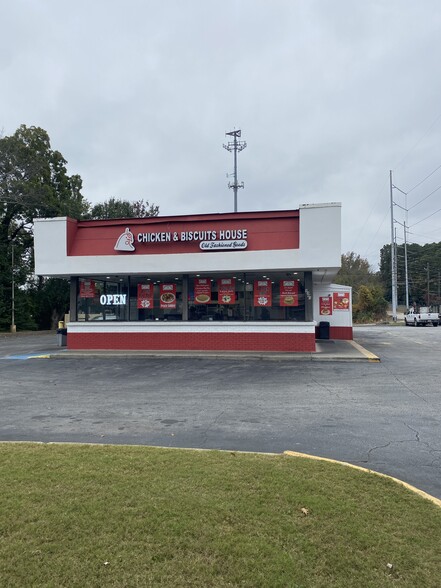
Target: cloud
138,95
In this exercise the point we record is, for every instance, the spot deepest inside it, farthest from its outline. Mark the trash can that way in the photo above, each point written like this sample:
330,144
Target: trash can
62,337
324,330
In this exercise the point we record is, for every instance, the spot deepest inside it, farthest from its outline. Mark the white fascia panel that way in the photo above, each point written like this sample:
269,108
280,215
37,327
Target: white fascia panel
188,327
320,235
50,245
182,263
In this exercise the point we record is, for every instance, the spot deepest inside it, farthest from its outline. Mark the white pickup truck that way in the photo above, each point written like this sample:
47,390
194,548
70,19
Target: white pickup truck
421,317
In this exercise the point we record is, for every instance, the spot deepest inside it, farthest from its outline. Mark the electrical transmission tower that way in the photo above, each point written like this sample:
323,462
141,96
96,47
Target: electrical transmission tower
235,146
393,248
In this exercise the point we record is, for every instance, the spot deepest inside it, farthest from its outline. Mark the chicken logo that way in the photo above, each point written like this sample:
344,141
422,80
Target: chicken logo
125,241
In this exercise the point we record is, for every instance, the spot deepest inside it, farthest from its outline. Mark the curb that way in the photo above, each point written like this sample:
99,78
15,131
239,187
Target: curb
288,452
204,354
413,489
369,356
354,353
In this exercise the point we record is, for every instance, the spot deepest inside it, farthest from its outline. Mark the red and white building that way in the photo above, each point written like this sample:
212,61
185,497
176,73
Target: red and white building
250,281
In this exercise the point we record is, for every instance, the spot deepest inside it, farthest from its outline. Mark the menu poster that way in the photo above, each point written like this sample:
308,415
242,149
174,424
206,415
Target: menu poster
167,296
226,291
262,293
145,295
87,289
340,300
202,290
289,292
325,305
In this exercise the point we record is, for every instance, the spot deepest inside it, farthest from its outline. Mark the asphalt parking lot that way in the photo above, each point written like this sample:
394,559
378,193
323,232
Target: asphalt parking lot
380,415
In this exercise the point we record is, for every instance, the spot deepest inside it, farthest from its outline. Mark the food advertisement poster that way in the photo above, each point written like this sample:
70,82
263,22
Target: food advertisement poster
226,291
87,289
340,300
325,303
262,293
289,292
202,290
167,296
145,295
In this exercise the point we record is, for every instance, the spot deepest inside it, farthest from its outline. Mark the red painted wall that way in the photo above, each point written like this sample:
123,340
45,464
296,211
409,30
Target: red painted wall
283,342
344,333
265,231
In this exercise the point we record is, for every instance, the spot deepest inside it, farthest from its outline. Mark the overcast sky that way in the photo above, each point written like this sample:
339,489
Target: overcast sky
329,94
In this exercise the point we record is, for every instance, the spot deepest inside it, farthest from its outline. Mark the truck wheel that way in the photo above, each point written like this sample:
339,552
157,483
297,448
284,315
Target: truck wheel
435,324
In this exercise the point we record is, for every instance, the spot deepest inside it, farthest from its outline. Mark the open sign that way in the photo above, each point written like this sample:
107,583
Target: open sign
113,299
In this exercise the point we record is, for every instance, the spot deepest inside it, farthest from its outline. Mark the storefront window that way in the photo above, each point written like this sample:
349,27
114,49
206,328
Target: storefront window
156,298
103,300
221,297
247,297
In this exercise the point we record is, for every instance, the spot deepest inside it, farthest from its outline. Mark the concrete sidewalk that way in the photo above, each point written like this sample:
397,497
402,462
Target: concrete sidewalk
326,350
29,345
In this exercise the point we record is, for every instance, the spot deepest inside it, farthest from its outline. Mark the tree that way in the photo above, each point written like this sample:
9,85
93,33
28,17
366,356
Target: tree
33,183
368,302
371,304
51,302
355,271
116,208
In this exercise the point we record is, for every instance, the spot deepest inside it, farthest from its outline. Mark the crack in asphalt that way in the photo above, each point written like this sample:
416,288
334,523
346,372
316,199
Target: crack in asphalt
436,463
425,443
405,386
417,435
374,449
204,434
331,392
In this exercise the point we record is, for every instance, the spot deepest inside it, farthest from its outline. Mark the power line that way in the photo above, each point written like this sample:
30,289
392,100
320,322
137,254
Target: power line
426,236
426,178
419,141
425,197
423,219
377,231
367,218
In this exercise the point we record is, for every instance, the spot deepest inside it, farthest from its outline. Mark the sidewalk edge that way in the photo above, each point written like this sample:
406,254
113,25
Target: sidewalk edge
370,356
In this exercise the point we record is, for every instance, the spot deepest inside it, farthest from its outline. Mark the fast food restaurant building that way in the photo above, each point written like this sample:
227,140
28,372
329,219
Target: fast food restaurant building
251,281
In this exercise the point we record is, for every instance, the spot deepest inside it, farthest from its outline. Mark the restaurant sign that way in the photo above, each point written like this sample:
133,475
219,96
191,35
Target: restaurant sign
225,239
262,293
289,292
340,300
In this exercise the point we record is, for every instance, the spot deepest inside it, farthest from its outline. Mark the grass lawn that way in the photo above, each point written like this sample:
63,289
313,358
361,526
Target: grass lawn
97,516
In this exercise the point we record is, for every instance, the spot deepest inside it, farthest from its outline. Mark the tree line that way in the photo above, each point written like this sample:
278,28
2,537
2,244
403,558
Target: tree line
372,291
423,273
34,183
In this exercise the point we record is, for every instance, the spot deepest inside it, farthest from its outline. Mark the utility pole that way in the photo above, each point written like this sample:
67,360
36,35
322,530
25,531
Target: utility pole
405,267
13,326
235,146
392,251
428,285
